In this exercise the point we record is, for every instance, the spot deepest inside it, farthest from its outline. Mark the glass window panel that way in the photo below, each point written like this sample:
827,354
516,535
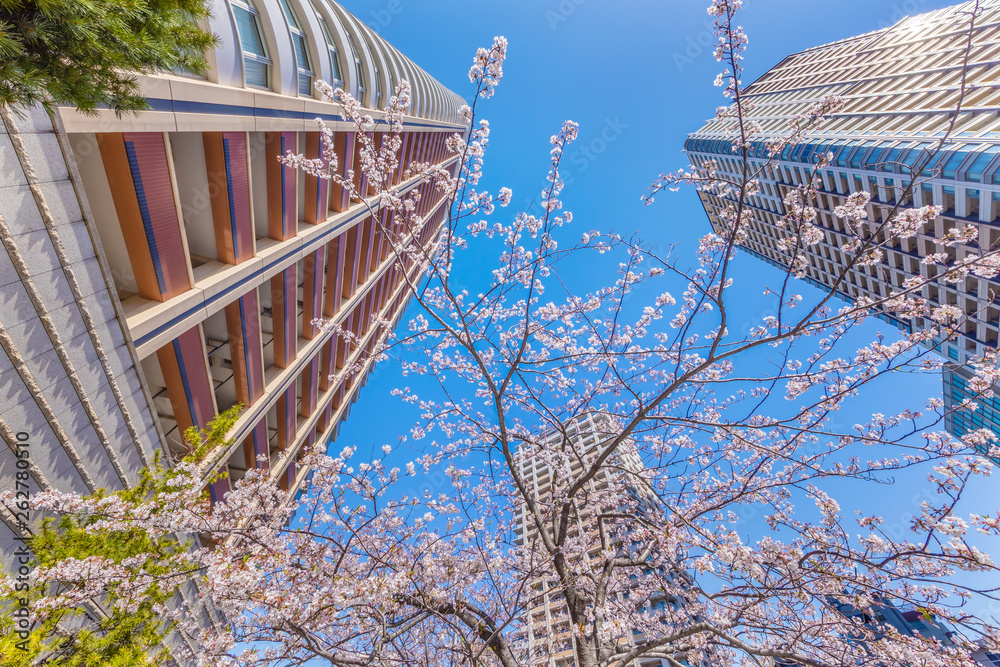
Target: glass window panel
975,171
256,73
859,153
246,23
875,156
951,166
334,53
890,157
840,159
915,153
289,15
335,58
326,32
301,54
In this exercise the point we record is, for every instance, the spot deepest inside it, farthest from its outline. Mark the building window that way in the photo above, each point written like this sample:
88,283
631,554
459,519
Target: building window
256,64
338,77
359,88
305,74
378,90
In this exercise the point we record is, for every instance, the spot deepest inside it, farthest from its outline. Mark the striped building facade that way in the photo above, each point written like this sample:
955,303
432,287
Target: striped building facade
160,268
545,635
901,86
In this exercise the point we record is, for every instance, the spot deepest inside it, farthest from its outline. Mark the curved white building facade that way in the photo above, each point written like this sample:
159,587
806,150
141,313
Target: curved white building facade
159,268
282,45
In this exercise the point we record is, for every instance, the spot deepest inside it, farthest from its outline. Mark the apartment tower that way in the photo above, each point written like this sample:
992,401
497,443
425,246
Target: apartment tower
159,268
901,87
545,635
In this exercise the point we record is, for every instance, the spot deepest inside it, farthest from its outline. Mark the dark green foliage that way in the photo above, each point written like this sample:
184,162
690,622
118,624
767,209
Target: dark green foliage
86,53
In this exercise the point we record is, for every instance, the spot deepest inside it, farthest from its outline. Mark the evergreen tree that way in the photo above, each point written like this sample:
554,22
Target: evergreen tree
87,53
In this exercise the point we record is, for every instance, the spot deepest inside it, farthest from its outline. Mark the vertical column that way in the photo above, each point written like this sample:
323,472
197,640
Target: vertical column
360,178
286,418
375,248
282,216
421,147
347,279
422,203
142,189
219,488
404,137
287,480
334,275
283,310
226,160
255,446
312,291
381,238
343,142
310,388
185,374
378,301
325,419
431,145
413,153
317,189
377,138
340,358
243,325
366,315
426,199
364,258
327,365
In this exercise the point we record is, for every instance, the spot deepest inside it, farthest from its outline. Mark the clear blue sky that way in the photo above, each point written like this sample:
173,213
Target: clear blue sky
637,76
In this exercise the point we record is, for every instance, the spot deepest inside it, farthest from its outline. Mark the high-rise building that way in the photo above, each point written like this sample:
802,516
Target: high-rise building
159,268
618,486
901,86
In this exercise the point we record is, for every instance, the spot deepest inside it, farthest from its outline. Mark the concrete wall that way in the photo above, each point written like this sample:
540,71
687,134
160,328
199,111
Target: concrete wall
67,377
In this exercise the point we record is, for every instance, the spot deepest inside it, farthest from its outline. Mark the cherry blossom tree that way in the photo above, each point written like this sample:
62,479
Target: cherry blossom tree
693,428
